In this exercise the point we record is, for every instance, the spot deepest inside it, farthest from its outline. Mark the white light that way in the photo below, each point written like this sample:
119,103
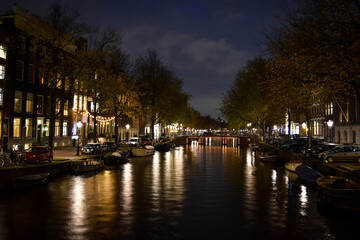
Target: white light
303,125
249,124
330,123
127,126
79,124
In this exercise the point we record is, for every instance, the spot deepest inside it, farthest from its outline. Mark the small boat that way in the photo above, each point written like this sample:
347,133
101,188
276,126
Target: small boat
29,180
291,166
87,165
338,192
117,157
254,147
268,155
308,175
162,146
143,151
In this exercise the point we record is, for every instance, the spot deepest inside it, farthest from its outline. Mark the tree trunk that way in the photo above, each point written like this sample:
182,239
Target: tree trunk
153,127
116,125
52,104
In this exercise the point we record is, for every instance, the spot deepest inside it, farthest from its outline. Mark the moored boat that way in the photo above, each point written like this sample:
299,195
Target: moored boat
162,146
338,192
142,151
269,155
29,180
291,166
87,165
116,158
308,175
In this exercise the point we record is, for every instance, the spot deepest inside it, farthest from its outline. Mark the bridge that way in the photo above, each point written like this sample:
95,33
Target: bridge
223,140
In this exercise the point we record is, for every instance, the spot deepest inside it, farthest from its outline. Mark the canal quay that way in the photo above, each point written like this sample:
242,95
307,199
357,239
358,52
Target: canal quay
191,192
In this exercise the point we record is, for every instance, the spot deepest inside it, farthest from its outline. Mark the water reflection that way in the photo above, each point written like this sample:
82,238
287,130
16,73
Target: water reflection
77,224
192,192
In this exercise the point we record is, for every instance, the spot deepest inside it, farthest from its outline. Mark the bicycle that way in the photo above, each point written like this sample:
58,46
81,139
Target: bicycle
5,160
12,158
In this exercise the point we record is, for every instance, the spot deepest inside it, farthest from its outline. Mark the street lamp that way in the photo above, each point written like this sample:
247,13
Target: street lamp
127,126
304,127
78,125
330,124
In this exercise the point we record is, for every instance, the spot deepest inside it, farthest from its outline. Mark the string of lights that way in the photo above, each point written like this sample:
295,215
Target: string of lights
98,118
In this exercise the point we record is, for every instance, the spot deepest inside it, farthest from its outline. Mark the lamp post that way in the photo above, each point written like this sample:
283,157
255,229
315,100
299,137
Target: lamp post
330,124
127,126
78,125
304,127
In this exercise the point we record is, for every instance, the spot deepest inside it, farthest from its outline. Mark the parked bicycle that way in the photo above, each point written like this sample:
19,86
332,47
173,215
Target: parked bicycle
12,158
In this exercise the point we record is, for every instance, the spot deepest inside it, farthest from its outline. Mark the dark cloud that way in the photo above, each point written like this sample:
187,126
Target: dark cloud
204,41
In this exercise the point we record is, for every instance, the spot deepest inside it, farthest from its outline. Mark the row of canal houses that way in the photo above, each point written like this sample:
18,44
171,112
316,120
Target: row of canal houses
337,122
24,96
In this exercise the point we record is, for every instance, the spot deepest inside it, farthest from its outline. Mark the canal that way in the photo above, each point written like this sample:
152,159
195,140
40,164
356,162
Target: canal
192,192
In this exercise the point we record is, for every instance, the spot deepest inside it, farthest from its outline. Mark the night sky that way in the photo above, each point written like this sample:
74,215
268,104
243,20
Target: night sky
205,42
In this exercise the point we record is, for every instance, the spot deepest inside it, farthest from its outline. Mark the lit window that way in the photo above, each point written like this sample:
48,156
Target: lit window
19,70
18,101
40,104
75,102
66,108
57,128
29,102
58,105
17,127
2,72
58,81
48,125
31,73
1,96
41,81
2,51
65,128
28,127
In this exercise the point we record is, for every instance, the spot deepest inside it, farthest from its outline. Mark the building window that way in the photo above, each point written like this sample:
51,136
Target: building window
41,81
29,102
58,81
40,104
345,137
1,96
19,70
17,127
18,101
31,73
22,42
28,127
354,137
58,105
2,51
2,72
66,108
64,128
57,128
329,109
47,124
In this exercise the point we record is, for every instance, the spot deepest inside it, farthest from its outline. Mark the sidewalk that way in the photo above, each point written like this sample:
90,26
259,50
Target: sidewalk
68,154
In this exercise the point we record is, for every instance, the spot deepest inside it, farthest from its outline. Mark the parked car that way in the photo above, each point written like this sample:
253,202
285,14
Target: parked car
92,148
134,141
298,144
146,140
36,154
347,153
108,146
314,151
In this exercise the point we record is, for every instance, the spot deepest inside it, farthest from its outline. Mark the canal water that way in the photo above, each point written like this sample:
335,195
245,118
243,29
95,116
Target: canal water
192,192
